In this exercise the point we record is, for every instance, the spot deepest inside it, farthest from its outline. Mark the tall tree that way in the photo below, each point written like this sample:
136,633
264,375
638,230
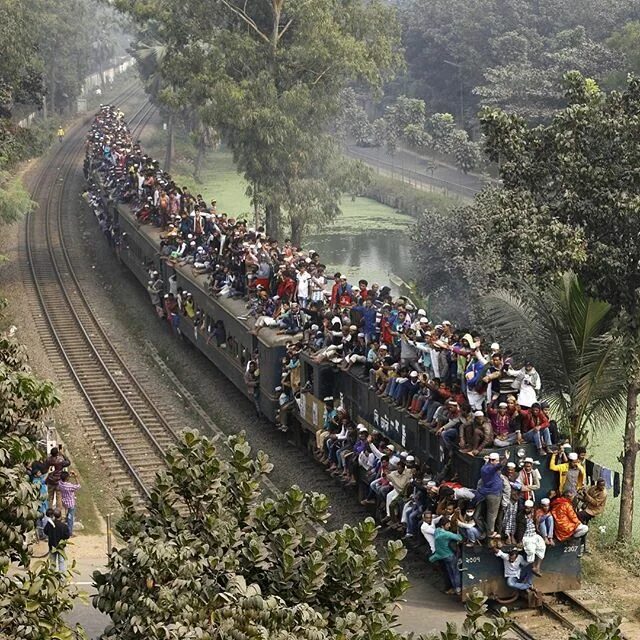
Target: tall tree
270,75
210,556
580,171
35,600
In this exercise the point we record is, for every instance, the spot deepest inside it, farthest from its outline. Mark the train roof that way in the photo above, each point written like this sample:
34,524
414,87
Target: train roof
235,307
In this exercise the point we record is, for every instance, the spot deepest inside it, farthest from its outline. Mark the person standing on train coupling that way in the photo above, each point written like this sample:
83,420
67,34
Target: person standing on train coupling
442,539
517,571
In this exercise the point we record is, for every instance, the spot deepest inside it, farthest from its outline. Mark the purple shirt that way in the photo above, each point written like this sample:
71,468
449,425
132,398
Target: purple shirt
68,493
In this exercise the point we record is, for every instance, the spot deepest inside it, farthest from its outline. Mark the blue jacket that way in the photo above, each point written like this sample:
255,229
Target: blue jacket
491,480
369,316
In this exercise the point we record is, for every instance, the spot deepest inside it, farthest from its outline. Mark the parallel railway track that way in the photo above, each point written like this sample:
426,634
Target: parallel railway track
125,416
559,614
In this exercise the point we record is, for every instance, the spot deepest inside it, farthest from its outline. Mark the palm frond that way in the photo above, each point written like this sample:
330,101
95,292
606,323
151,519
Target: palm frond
568,336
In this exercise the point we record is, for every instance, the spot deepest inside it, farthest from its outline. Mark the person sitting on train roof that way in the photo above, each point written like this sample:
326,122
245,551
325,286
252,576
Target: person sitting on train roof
566,523
535,428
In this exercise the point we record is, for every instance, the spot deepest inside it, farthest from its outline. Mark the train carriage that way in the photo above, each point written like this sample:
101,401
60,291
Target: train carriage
139,249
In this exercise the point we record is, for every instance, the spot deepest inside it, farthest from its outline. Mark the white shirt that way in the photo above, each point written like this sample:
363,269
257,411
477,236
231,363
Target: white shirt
512,569
303,284
429,532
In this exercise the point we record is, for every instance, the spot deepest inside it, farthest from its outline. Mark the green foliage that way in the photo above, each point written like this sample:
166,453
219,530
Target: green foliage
14,199
406,120
210,555
510,54
569,337
406,198
599,631
33,602
626,41
274,109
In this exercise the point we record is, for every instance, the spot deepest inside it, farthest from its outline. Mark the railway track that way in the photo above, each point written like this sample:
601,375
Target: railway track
560,613
125,416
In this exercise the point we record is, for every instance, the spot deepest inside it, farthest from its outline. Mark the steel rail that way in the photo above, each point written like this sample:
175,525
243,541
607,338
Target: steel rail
67,163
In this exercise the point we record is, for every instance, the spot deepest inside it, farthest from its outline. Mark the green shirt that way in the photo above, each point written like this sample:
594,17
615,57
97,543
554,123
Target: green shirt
442,539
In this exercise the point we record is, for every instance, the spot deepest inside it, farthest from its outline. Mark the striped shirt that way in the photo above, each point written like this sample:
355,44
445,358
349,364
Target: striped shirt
68,493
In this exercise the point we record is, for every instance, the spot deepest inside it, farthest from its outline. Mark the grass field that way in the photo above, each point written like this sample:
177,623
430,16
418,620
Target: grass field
222,182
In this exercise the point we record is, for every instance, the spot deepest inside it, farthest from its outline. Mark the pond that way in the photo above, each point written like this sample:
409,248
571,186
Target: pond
368,240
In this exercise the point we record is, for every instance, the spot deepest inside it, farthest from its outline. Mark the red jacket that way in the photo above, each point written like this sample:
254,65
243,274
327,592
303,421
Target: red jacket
565,518
529,421
287,288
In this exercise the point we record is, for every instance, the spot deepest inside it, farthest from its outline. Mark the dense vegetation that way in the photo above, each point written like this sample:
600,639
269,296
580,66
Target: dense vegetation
33,601
512,54
569,202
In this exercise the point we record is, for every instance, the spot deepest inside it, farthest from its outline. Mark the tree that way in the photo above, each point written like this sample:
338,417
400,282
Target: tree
270,75
531,85
509,53
209,555
580,172
569,337
33,602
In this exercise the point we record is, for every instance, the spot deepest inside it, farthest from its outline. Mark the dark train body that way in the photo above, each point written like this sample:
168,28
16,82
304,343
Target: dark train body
481,569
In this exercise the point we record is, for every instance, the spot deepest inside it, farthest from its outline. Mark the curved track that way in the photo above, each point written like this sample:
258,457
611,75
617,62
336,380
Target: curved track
124,414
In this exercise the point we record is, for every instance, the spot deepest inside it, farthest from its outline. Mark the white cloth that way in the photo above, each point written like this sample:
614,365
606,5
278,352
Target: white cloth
391,496
429,532
303,284
534,546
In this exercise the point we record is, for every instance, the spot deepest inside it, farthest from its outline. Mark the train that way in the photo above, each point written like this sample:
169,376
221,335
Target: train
138,247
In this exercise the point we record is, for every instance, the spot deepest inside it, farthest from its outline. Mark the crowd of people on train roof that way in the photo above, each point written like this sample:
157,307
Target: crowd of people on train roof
475,397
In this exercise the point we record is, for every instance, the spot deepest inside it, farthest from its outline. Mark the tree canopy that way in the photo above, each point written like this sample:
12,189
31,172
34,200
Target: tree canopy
33,601
267,76
211,554
510,54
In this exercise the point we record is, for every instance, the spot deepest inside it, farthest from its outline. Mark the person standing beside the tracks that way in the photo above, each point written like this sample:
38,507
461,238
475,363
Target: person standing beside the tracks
54,465
60,134
57,532
68,491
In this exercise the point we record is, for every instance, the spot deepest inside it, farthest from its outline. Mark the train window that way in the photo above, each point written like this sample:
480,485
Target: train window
307,373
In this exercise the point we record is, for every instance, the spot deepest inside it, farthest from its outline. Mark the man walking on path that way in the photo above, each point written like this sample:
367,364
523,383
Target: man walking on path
57,532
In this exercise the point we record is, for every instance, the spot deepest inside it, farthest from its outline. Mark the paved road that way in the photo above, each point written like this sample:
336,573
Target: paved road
415,169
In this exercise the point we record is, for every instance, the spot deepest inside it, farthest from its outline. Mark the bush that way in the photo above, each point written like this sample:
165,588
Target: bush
406,198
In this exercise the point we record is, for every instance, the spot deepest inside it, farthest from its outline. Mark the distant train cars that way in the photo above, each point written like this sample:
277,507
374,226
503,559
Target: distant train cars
139,249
